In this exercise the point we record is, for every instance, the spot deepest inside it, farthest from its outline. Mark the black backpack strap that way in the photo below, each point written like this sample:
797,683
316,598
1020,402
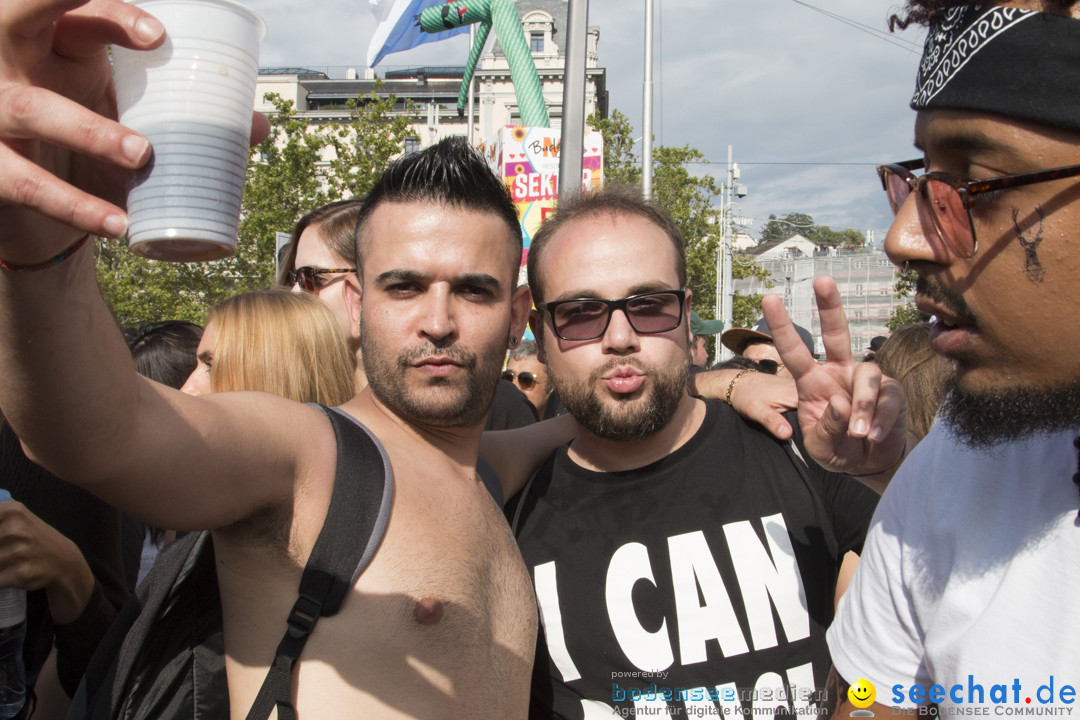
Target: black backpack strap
359,508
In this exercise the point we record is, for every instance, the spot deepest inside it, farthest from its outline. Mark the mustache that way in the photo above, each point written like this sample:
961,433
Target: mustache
456,354
933,290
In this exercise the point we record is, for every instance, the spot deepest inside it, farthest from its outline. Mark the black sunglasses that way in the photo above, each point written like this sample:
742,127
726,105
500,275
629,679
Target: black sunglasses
525,380
588,318
770,367
309,280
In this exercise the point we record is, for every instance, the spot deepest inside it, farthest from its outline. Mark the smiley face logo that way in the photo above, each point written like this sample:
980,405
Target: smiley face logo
862,693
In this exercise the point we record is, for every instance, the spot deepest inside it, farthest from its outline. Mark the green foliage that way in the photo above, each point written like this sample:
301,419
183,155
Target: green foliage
801,223
142,290
689,200
908,313
688,197
783,228
746,309
366,145
620,163
287,176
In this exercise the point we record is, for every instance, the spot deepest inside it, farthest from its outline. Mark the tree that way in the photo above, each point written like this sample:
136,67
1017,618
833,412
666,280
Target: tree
907,313
688,197
287,176
801,223
783,228
620,163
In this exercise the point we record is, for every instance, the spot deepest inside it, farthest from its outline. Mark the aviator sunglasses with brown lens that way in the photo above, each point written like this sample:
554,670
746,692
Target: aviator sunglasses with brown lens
310,278
949,198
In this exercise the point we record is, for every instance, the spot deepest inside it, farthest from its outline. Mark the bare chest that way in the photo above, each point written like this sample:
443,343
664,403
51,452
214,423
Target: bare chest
441,624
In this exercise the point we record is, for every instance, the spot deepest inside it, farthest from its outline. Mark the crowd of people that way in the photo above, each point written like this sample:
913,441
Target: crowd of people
585,525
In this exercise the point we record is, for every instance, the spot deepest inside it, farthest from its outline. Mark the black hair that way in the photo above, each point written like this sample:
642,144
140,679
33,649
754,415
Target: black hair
165,351
450,173
739,362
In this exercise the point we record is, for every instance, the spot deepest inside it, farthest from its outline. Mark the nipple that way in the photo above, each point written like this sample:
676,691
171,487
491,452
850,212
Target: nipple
428,611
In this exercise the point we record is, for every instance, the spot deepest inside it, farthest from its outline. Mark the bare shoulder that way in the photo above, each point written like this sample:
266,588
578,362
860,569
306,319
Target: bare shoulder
222,458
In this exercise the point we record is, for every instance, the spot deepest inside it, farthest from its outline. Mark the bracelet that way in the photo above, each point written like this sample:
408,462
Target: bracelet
891,468
737,378
54,260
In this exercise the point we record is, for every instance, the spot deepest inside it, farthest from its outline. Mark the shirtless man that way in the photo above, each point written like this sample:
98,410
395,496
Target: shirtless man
442,623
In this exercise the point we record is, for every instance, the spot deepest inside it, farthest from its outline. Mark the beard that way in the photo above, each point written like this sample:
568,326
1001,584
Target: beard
442,402
988,417
624,419
983,418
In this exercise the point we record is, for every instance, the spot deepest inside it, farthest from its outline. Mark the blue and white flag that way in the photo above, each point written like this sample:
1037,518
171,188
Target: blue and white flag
399,29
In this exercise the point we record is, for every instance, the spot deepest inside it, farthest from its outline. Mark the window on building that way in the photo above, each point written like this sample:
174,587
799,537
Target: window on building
412,145
537,42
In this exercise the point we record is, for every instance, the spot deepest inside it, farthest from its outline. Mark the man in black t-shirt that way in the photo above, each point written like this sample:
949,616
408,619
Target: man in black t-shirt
684,561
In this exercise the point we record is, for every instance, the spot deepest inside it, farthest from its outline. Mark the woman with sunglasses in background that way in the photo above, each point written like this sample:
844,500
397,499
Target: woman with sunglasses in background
320,259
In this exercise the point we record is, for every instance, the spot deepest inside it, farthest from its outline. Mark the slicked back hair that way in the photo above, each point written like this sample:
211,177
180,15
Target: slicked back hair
448,173
612,200
336,222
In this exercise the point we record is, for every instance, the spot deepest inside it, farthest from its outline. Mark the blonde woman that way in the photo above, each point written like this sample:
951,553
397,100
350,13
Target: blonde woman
274,341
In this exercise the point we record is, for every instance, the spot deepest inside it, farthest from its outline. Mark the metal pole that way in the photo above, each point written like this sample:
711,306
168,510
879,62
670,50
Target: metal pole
719,301
729,291
472,84
647,106
572,143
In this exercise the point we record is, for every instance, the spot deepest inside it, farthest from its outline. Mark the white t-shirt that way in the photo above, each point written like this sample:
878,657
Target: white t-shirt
970,577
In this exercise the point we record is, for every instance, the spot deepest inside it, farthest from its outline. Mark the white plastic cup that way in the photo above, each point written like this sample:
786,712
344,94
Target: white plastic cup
192,98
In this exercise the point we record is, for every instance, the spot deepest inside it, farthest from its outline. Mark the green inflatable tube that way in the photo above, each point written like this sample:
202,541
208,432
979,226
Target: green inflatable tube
503,16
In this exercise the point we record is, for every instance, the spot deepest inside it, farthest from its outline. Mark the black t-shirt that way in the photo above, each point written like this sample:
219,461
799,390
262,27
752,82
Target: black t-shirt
510,408
700,584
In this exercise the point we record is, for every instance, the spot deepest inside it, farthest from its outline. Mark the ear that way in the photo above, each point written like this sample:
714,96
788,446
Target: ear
354,298
520,303
536,324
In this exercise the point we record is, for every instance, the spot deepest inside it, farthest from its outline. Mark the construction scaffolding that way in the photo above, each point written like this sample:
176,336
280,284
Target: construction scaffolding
865,279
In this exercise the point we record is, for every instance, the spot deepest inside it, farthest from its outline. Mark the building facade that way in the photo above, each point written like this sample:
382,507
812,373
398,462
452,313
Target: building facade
320,94
864,277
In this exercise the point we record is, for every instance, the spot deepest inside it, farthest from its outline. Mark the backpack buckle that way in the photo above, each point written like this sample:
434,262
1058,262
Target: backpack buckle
303,616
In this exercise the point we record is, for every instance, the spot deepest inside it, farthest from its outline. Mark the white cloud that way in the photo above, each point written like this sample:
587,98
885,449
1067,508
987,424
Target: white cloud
778,81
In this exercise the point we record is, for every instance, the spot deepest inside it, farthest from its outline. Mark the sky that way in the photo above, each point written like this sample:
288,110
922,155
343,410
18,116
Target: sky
810,94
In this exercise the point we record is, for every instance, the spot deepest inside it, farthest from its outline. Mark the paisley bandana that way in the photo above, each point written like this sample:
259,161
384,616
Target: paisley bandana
1006,61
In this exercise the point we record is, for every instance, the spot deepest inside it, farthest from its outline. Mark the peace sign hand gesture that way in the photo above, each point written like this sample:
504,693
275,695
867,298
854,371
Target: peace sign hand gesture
853,418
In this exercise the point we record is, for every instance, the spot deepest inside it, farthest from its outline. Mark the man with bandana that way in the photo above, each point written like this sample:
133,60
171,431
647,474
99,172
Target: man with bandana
966,588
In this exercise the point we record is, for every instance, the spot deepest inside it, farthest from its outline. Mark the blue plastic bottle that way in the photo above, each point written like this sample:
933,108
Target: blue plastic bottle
12,632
